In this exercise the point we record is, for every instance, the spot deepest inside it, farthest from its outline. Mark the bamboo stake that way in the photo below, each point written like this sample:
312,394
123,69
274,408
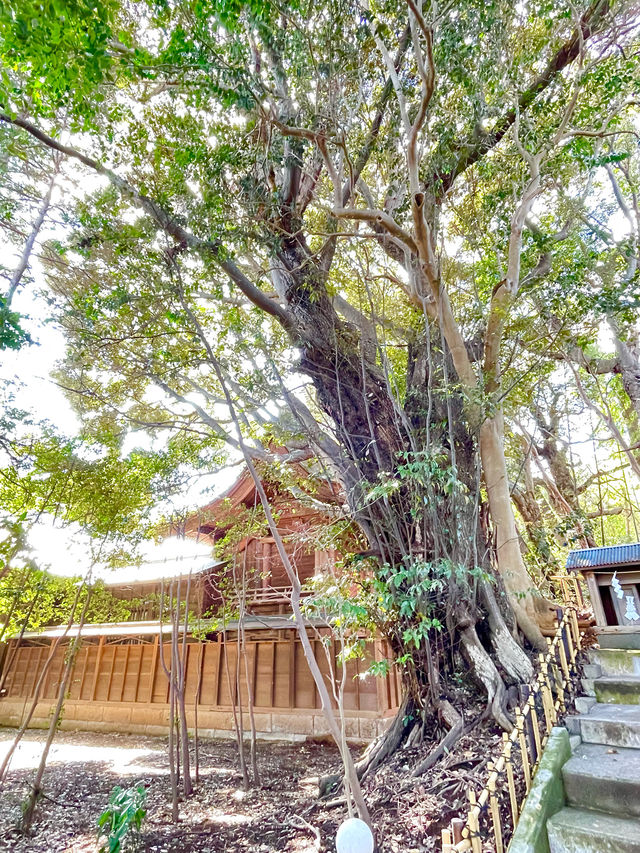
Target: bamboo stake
447,846
473,823
573,617
523,749
570,643
550,715
536,728
560,684
563,661
511,785
494,808
457,826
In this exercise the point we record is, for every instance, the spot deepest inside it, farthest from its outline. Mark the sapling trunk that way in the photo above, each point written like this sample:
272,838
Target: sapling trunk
237,723
298,616
173,778
241,593
181,658
38,688
196,701
36,787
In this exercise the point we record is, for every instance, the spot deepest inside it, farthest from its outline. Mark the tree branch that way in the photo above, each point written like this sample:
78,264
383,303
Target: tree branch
161,217
470,150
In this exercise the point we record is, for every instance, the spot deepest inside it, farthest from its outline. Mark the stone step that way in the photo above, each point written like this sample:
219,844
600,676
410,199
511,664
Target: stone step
584,704
616,661
613,725
618,689
581,831
592,670
604,778
619,639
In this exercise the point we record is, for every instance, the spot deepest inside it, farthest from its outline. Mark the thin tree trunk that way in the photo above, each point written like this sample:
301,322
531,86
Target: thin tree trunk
173,779
298,616
248,679
250,705
196,737
36,788
237,725
38,688
23,263
181,675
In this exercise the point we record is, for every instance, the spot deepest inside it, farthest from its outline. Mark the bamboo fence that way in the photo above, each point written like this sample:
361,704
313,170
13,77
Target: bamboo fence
494,811
571,589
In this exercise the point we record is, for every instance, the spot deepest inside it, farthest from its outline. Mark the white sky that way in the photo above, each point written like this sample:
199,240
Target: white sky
68,552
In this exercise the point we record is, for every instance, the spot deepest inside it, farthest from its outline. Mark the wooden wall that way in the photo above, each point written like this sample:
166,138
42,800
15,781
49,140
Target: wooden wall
113,670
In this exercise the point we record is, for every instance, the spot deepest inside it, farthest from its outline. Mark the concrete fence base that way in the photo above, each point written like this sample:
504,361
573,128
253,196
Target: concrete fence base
545,798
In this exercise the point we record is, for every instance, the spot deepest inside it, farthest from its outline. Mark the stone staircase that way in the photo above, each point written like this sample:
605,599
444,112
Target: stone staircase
602,777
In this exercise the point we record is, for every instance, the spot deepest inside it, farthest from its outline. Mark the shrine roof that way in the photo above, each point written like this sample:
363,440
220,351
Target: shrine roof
609,556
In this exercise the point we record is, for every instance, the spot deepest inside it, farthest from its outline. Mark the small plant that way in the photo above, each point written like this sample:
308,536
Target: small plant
122,818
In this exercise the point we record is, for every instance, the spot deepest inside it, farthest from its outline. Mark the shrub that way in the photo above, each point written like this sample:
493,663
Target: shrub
121,821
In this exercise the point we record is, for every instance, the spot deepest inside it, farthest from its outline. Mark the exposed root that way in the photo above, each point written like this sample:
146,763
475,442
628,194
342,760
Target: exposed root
528,626
512,657
485,671
456,729
385,745
378,751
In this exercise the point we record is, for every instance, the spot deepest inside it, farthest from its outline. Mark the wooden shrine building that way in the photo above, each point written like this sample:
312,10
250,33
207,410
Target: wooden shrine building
612,574
118,682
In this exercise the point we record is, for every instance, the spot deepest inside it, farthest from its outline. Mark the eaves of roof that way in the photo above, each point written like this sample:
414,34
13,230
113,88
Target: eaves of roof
606,557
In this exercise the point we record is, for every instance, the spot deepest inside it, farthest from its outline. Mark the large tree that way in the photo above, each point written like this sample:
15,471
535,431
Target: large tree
341,217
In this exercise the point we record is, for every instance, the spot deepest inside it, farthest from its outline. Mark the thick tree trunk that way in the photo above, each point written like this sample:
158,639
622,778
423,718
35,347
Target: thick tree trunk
530,609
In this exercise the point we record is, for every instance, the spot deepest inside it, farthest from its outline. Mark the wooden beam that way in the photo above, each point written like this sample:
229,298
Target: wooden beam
292,670
126,668
97,669
154,667
596,601
254,684
382,685
84,670
47,678
23,653
113,664
273,673
36,671
140,657
200,675
219,646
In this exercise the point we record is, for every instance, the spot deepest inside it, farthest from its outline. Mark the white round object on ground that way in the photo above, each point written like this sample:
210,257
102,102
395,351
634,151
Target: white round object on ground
354,836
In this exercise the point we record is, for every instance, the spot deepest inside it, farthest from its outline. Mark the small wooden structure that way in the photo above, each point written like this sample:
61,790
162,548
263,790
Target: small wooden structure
118,681
599,567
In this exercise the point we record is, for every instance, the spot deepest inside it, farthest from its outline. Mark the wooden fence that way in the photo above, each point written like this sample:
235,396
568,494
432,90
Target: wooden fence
494,811
129,670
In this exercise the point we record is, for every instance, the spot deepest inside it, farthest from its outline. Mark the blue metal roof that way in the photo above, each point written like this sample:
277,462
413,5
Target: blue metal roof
612,555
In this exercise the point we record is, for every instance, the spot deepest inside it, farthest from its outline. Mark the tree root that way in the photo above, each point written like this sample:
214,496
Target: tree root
511,656
455,722
385,745
378,750
485,671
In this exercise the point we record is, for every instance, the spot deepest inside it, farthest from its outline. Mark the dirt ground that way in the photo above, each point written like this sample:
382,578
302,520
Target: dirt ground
283,814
